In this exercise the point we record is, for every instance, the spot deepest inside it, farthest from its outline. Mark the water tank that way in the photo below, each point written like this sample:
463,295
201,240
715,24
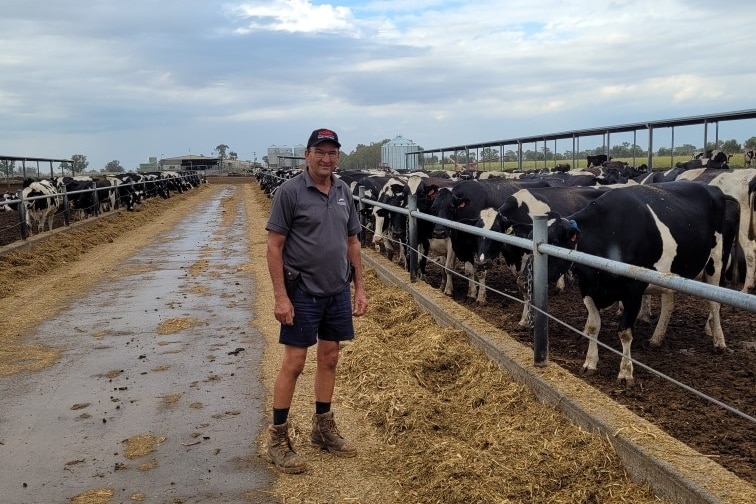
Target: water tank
393,154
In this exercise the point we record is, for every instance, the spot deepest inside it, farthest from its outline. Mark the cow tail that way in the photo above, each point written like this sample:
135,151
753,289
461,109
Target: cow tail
752,213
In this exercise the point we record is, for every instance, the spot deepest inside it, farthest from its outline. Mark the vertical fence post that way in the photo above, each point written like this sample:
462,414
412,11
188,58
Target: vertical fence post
539,296
363,219
22,216
96,199
66,207
412,239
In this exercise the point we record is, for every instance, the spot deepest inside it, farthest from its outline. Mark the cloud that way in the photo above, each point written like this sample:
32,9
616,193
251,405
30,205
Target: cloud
117,81
293,16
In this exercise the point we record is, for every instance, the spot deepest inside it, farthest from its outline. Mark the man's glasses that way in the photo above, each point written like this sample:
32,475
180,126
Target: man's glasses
319,154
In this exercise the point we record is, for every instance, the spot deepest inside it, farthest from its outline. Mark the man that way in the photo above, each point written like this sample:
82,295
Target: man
313,253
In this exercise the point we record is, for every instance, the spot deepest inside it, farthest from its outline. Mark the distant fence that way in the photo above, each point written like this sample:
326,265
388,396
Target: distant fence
605,132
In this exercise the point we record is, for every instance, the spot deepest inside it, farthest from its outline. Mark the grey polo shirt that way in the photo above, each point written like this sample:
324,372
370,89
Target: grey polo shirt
316,227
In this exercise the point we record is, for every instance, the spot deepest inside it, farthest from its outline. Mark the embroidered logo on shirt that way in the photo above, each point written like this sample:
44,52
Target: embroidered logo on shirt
341,202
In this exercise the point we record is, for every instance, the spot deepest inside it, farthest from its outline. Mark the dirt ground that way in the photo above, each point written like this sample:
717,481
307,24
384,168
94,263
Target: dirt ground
444,426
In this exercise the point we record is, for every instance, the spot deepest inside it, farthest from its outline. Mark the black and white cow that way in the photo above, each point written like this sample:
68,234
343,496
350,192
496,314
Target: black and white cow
79,191
597,160
703,163
391,231
125,194
519,209
738,184
41,202
425,189
464,204
674,227
373,185
748,157
714,155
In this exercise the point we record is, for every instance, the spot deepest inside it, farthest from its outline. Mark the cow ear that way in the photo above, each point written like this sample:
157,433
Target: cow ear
432,191
462,204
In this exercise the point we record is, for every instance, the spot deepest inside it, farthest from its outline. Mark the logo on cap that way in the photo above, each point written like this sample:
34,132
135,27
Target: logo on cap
326,135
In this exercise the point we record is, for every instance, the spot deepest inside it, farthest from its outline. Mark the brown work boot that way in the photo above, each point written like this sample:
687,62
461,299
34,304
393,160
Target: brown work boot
281,451
326,435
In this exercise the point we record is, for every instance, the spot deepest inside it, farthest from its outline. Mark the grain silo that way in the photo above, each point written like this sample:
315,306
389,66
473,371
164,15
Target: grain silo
279,156
393,154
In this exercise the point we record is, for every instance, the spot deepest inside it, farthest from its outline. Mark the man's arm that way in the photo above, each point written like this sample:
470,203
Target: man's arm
283,311
359,305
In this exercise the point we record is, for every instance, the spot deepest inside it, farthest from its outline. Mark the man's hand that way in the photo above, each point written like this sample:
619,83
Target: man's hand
284,310
359,304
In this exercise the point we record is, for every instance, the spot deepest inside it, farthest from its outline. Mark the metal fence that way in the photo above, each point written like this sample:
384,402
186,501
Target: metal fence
63,201
605,132
541,250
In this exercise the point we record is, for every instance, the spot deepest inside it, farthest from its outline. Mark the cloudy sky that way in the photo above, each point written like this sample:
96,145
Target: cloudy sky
125,81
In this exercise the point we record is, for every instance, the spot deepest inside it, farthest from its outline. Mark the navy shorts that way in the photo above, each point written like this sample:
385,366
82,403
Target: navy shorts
315,317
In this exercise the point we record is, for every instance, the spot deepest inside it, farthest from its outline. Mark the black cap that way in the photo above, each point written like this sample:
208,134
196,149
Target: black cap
323,135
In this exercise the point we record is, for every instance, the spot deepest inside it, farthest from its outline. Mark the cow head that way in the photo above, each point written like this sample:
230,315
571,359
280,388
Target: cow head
5,200
443,208
562,233
488,249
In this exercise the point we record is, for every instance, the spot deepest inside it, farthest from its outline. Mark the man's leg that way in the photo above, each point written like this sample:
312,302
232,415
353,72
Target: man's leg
325,434
280,449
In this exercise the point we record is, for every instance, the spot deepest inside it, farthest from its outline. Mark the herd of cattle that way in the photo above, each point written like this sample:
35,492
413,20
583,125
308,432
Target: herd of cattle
79,197
697,220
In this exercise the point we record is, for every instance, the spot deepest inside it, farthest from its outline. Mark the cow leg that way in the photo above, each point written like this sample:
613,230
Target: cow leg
521,280
591,329
644,315
50,219
481,299
451,258
714,327
626,366
471,286
422,260
632,304
665,313
750,259
378,233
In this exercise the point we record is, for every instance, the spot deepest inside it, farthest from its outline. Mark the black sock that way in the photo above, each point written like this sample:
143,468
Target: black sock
280,416
322,407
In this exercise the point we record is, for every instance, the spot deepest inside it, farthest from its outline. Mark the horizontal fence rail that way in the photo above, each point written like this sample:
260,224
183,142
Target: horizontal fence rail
671,281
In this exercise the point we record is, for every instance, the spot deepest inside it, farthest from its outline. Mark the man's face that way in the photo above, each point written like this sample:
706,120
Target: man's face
322,158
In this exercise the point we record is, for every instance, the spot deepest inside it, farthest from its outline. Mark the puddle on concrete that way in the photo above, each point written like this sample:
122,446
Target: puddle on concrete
195,388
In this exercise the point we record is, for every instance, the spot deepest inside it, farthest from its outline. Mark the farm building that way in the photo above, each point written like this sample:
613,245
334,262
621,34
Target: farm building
393,154
283,156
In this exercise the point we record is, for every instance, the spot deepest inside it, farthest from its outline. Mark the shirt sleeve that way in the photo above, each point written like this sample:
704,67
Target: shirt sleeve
281,211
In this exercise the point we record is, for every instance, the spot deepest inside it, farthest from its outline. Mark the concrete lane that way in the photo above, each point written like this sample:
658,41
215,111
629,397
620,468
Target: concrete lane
163,358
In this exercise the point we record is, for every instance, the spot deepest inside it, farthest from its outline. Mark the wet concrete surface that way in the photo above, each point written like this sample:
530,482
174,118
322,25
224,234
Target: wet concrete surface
166,349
